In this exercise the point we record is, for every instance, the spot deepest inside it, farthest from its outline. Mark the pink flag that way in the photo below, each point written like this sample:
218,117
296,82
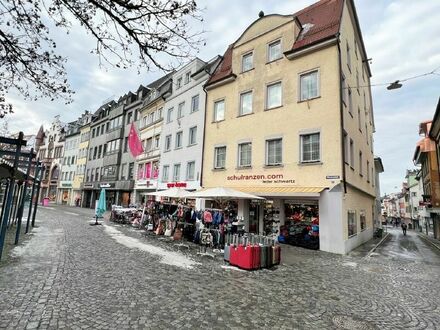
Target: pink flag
134,143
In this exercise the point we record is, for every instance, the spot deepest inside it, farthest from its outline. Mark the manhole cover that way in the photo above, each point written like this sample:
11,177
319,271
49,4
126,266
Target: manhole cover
351,323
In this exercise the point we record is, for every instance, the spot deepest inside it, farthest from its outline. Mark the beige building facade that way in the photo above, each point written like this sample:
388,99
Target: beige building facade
84,132
289,118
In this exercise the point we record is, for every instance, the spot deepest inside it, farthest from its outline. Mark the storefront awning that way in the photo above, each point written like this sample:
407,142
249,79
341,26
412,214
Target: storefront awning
283,191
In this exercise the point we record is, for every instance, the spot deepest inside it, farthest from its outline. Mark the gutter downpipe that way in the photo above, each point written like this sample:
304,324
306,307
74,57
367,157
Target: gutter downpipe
341,111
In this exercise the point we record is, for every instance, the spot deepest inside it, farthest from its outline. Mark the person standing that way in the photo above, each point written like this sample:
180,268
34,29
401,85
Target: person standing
404,227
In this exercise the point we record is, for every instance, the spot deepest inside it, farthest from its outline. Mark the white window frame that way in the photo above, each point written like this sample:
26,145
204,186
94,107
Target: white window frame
269,45
168,142
179,145
302,135
215,110
165,173
318,83
187,77
247,55
268,86
240,108
188,176
180,110
216,149
239,161
176,176
192,103
170,114
191,131
267,152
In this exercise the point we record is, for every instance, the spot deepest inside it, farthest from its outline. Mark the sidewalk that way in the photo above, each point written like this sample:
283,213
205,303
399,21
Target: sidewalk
429,239
364,249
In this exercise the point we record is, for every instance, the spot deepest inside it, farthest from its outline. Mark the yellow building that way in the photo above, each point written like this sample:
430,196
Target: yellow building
289,118
81,162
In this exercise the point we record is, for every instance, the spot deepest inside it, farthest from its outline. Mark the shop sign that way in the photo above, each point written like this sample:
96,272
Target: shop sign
332,177
146,183
68,185
88,185
262,178
106,185
176,185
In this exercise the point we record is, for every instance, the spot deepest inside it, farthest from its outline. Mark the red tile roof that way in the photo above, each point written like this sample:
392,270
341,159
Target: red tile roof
324,18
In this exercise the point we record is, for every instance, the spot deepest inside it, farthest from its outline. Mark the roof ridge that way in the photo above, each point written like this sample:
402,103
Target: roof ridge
312,6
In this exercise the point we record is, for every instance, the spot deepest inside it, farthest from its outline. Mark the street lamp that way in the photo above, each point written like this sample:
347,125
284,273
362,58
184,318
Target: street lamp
394,85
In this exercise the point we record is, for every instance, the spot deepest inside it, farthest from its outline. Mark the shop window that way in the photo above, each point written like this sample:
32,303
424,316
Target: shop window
192,136
219,110
165,170
195,103
363,220
190,170
179,137
351,222
180,111
219,157
274,51
246,62
176,172
274,96
245,154
309,88
168,142
310,148
245,103
274,152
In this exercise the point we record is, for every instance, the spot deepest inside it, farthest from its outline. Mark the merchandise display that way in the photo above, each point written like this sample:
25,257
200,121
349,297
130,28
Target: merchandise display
301,227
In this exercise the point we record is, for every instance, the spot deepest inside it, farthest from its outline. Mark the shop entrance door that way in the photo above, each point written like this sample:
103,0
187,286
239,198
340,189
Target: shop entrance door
254,217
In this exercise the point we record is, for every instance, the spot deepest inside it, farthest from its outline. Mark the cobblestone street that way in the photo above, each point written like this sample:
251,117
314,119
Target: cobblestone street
72,275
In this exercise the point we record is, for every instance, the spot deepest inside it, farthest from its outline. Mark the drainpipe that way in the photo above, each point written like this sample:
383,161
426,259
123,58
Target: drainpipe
341,112
204,133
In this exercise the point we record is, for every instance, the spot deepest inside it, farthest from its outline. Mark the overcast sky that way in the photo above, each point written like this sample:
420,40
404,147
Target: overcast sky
400,36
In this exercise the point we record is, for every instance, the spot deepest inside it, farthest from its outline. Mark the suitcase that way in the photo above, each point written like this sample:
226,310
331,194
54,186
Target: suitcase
269,255
227,248
277,254
257,256
233,252
245,257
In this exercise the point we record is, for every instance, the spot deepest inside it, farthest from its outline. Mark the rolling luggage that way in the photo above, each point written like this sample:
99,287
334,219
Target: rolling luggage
263,253
227,248
277,254
245,257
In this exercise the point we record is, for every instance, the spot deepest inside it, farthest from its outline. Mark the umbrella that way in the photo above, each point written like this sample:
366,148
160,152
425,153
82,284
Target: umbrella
100,206
222,193
172,192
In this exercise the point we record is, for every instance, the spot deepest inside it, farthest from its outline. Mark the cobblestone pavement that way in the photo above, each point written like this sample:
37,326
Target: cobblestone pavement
75,276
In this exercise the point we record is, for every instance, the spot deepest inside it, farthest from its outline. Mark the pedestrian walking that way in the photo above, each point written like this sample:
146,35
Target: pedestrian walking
404,227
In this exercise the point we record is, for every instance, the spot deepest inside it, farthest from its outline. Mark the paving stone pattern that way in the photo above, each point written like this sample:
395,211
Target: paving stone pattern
74,276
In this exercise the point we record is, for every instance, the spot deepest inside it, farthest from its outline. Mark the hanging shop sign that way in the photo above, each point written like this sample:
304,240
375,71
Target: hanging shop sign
88,185
106,185
176,185
146,183
261,178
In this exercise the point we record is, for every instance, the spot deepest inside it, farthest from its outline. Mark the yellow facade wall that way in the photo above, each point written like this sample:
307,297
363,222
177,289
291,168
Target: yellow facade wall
79,178
288,121
360,134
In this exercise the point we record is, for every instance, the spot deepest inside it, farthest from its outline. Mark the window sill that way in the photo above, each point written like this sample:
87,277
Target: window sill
191,145
217,121
246,114
351,236
248,70
272,166
238,168
167,150
274,60
361,175
310,99
219,169
352,168
310,163
177,148
346,163
194,111
351,114
273,108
